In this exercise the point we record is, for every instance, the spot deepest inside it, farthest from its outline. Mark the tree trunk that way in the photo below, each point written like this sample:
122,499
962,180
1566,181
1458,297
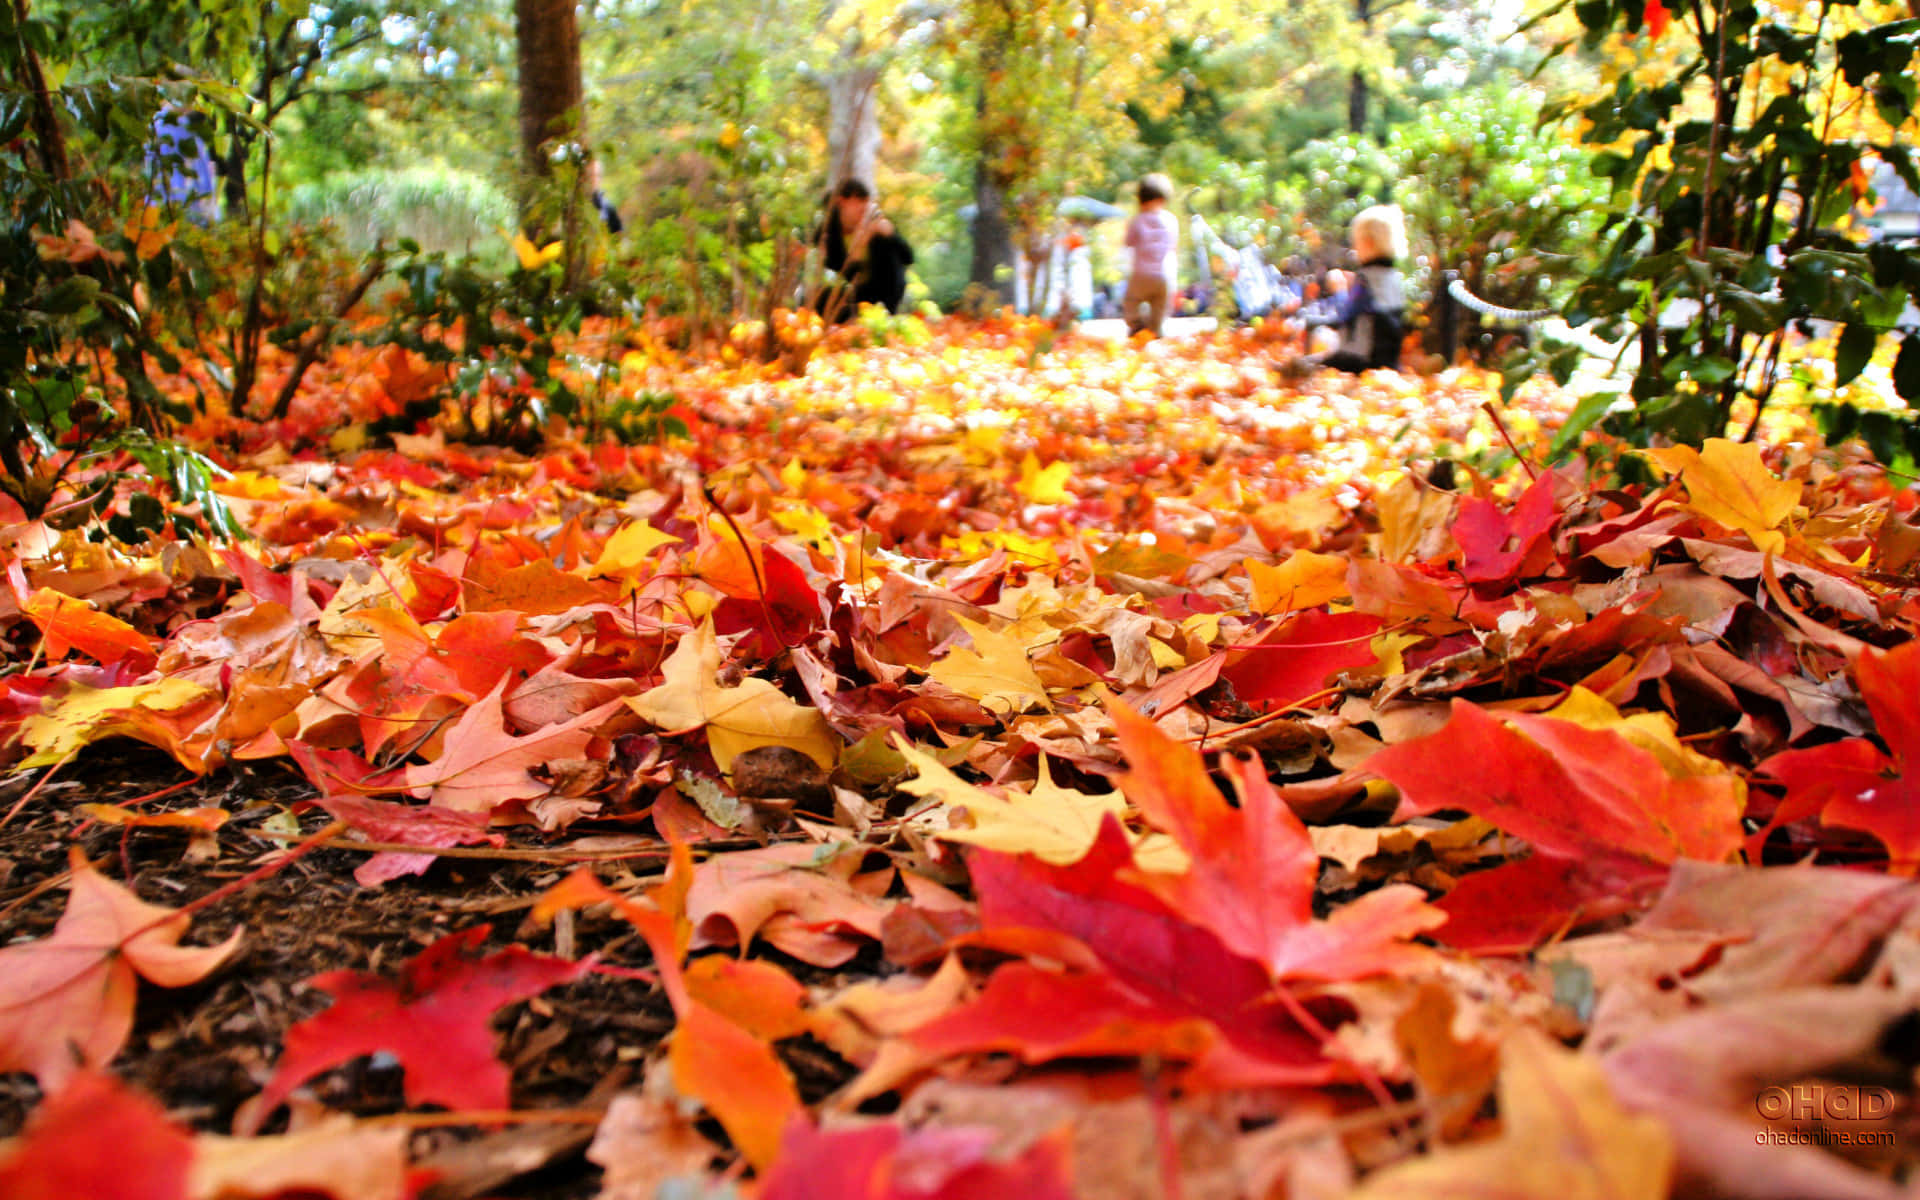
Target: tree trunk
49,138
550,92
993,250
992,233
548,38
1357,87
853,126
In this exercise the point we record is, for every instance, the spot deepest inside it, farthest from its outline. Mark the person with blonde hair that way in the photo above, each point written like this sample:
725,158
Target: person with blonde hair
1153,236
1368,308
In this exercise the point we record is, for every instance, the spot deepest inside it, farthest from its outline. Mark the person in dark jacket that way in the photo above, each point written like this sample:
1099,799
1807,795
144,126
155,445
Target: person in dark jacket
1369,311
609,215
865,252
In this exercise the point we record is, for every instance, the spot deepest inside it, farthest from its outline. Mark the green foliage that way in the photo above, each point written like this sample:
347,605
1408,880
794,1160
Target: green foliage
503,368
644,419
1735,178
1492,195
1329,181
79,267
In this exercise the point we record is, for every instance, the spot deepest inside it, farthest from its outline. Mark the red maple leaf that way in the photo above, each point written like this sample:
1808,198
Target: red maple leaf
450,668
1498,547
96,1140
1604,811
1853,784
1294,660
1253,869
883,1162
412,824
1138,961
1656,18
434,1019
781,610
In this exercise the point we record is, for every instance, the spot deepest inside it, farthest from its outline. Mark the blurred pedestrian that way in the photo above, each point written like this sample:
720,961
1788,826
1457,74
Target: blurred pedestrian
1153,236
1367,306
608,213
865,252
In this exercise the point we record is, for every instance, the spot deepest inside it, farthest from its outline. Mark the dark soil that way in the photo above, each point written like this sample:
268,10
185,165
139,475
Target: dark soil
203,1050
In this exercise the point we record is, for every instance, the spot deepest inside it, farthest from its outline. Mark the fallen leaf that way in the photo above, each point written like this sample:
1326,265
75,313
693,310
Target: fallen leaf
1563,1137
70,624
642,1144
201,820
1291,663
81,1143
1304,579
66,1000
996,671
1728,482
630,551
409,824
800,898
1055,824
482,767
736,719
727,1068
1705,1074
1852,783
1499,546
1253,870
83,715
1595,806
434,1018
883,1162
335,1157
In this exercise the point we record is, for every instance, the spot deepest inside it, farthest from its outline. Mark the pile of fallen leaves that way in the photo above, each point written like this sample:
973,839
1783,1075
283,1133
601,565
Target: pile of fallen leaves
1110,773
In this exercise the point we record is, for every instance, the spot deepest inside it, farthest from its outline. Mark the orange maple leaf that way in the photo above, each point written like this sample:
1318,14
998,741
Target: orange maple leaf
483,766
1254,868
729,1068
70,624
66,1000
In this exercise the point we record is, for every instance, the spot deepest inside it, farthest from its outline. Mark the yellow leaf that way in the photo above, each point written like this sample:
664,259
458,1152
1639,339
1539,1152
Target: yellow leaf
1651,731
86,715
1389,648
1729,483
1052,823
737,719
1564,1137
996,672
1030,551
1305,580
793,475
1165,657
349,439
805,522
630,550
533,258
1044,485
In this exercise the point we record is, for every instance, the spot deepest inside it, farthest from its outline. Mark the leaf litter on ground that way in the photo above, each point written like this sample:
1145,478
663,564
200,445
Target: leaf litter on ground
1120,730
